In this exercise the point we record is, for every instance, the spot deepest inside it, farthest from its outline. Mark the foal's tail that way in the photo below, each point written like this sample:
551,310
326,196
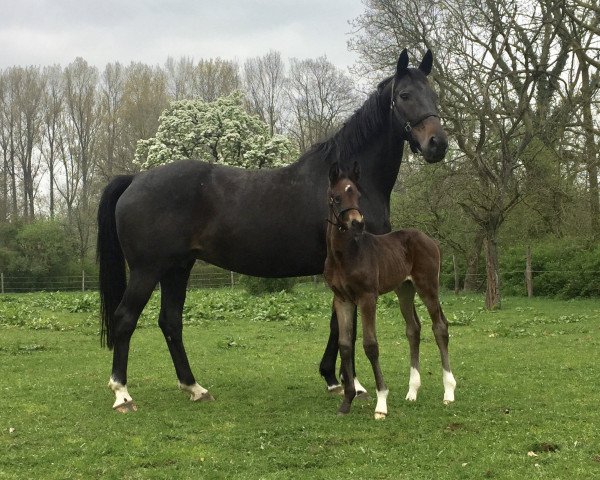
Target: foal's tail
110,257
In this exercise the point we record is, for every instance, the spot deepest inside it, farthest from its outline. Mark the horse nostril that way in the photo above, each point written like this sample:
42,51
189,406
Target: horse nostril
437,143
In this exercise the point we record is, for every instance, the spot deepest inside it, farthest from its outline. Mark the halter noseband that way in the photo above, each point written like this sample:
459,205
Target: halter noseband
338,216
408,126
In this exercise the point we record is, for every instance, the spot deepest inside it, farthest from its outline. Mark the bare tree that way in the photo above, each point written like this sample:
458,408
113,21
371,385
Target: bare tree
320,97
8,201
114,149
29,95
214,78
265,82
578,24
52,113
499,67
144,99
180,78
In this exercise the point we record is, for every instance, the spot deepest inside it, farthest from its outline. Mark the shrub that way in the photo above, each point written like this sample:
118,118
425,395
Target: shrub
260,285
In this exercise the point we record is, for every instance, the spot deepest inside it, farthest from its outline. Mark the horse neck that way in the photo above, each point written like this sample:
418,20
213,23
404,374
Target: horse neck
371,138
345,242
381,159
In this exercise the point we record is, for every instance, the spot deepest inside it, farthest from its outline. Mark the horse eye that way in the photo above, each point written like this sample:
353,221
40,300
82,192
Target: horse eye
404,96
337,199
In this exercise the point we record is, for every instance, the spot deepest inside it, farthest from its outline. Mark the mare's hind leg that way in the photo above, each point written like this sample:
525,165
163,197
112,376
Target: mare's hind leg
430,298
406,297
138,292
173,285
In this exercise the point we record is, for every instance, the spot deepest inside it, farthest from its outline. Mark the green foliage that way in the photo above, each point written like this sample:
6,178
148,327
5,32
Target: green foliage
36,252
260,286
218,132
565,268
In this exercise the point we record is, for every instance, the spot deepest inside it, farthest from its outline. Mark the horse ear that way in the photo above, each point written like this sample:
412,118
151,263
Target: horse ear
402,65
355,175
426,63
334,173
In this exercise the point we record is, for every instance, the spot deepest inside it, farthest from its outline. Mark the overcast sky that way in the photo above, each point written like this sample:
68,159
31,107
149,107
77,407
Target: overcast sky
46,32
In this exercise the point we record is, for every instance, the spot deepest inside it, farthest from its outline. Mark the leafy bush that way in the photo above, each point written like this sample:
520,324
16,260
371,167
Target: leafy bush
561,268
261,286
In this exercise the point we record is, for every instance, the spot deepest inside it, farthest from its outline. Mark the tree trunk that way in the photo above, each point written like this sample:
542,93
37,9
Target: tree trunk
492,292
590,151
471,283
456,276
529,273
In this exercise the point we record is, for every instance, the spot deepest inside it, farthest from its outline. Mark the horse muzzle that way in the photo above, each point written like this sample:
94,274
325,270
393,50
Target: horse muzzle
430,140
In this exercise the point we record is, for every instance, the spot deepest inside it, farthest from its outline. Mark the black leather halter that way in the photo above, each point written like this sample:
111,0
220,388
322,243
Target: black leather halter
408,125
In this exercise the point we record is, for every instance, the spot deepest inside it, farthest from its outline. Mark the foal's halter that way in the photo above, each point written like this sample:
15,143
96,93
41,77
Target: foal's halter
338,216
408,125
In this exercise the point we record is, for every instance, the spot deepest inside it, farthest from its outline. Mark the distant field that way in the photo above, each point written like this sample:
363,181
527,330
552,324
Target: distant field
527,402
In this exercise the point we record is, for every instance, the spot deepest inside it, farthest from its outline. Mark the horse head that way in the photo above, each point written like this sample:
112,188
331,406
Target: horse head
413,108
343,195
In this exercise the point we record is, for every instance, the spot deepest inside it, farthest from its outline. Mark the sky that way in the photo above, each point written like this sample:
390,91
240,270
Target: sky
47,32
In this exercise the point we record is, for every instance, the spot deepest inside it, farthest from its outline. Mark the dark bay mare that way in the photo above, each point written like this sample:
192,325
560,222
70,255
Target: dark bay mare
360,266
268,223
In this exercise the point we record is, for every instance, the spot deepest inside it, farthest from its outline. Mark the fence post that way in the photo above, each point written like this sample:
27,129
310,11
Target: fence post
83,280
528,273
231,276
456,280
2,282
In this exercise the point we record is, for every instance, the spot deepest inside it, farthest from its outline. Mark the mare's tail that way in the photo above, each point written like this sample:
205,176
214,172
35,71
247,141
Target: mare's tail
110,257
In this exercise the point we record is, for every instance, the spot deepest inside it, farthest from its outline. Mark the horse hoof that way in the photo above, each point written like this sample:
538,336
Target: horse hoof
380,416
344,409
126,407
203,397
362,395
335,389
411,396
448,402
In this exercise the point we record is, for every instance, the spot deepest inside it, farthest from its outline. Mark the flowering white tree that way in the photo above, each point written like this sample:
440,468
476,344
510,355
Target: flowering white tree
217,132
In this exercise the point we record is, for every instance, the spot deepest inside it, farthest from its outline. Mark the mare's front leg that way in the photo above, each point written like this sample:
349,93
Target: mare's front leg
173,291
327,366
368,306
344,312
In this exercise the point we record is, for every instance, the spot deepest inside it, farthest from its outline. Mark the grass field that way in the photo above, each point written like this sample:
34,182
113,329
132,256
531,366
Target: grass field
527,402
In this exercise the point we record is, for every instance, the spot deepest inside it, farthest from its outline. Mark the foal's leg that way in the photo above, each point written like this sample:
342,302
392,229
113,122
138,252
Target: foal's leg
440,331
344,312
173,290
368,305
327,366
361,392
138,292
406,298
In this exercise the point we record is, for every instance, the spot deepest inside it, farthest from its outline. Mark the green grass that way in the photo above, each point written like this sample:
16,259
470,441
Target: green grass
528,381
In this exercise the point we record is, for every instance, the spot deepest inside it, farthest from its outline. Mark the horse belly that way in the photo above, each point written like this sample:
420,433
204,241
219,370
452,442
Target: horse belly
261,252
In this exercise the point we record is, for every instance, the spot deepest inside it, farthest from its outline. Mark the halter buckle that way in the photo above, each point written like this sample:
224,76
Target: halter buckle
407,127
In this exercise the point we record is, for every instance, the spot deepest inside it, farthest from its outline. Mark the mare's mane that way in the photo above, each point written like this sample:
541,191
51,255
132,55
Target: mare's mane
366,121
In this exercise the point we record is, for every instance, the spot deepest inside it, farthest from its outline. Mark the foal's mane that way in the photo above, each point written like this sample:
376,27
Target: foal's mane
367,120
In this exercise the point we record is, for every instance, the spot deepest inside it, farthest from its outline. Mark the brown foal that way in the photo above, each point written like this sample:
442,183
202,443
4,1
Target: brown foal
361,266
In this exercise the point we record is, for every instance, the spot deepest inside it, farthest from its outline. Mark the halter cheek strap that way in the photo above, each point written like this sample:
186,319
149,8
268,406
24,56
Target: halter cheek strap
408,125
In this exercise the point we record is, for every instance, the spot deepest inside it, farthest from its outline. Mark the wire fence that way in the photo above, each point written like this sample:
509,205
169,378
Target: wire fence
218,278
213,278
